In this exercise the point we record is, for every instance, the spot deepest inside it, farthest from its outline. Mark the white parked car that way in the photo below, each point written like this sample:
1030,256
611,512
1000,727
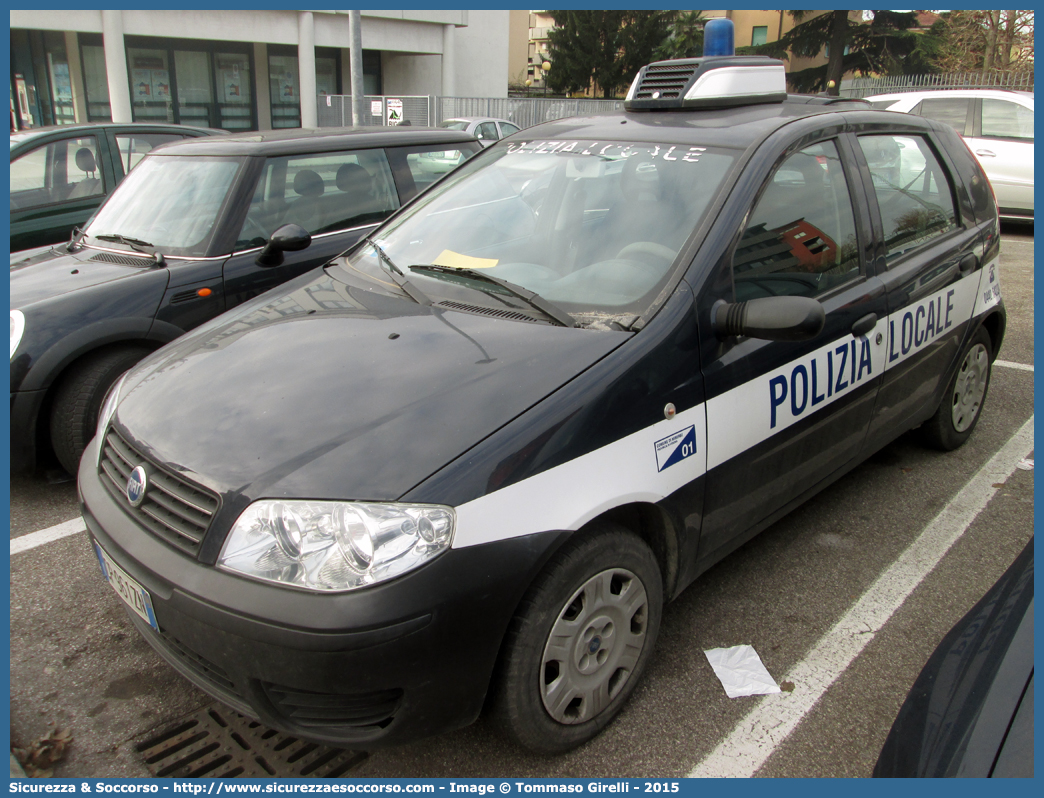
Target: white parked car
998,126
486,129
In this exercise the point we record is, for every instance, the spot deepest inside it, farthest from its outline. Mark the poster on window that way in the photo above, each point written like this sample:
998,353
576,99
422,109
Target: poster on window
160,84
141,84
287,87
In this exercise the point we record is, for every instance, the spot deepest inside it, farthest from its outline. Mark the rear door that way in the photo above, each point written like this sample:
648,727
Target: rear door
783,417
1002,140
929,247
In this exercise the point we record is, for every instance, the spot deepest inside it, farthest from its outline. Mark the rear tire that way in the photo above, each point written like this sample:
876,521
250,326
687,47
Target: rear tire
77,402
961,407
579,642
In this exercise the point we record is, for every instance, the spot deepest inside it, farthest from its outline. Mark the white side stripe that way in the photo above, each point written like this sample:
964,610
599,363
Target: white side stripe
49,535
754,739
1010,365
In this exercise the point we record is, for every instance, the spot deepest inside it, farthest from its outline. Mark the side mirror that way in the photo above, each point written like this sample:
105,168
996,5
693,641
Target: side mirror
288,238
774,318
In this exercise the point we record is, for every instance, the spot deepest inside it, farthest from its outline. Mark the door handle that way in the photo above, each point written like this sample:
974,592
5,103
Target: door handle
969,262
864,325
986,153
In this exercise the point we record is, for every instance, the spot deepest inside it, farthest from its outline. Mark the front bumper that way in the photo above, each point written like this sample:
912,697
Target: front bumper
373,667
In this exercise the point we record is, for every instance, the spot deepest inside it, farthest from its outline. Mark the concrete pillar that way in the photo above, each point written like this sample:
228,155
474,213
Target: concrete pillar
79,89
116,66
262,92
448,61
306,68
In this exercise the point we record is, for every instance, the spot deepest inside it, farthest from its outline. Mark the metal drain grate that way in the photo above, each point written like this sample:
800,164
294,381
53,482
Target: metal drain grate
217,742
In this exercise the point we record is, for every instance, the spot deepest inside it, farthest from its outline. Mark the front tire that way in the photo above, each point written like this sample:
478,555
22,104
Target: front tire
580,641
961,407
77,402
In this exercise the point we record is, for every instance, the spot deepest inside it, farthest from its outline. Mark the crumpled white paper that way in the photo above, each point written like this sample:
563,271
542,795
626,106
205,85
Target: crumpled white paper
741,672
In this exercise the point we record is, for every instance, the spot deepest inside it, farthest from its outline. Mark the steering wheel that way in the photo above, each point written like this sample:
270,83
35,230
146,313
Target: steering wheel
647,252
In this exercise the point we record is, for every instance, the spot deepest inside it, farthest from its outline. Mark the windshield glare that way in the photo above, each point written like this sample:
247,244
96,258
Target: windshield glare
593,227
170,202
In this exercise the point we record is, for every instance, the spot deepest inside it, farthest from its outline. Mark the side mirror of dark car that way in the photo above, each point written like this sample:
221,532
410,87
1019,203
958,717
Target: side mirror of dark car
774,318
288,238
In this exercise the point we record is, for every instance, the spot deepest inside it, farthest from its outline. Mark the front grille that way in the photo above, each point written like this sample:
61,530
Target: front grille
305,709
670,81
123,260
497,312
174,510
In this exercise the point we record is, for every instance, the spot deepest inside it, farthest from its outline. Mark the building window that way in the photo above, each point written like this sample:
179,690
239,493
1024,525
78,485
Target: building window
284,87
95,80
759,35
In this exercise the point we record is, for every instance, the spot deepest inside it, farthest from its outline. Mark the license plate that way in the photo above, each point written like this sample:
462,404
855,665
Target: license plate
137,597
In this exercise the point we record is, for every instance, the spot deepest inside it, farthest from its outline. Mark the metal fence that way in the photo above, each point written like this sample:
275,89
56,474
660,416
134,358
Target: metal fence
336,110
865,87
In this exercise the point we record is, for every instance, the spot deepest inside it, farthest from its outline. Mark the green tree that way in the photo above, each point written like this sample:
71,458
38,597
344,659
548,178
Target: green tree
881,45
685,39
604,47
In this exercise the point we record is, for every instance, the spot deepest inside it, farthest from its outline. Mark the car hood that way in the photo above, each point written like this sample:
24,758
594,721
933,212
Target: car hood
321,390
55,272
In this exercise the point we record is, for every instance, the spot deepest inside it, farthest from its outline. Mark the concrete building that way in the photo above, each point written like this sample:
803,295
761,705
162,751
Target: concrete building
240,69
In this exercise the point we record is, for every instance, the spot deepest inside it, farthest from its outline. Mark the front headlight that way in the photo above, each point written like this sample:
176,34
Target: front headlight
17,328
328,546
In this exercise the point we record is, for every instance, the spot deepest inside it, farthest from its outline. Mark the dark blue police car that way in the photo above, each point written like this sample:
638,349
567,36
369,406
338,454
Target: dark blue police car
465,464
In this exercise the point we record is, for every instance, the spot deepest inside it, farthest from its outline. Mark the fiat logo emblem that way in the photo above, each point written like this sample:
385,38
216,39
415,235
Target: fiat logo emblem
137,482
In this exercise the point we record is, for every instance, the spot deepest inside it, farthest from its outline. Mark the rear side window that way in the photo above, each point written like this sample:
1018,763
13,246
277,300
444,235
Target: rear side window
950,111
913,192
801,237
57,172
508,129
133,148
1006,120
323,193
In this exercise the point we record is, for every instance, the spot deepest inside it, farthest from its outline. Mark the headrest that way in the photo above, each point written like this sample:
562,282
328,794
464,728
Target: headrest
351,178
308,183
85,160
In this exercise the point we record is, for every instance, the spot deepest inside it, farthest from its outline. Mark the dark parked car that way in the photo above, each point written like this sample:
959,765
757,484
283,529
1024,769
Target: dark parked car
197,228
464,464
60,175
970,712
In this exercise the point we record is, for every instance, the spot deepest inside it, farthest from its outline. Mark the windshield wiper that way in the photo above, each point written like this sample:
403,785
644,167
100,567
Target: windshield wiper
531,298
398,277
134,243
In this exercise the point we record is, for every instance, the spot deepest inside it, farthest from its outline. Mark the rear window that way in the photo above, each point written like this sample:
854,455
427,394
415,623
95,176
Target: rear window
882,105
454,124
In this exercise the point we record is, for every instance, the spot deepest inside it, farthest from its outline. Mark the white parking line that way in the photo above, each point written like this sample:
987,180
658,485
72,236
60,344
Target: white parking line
49,535
1008,364
763,730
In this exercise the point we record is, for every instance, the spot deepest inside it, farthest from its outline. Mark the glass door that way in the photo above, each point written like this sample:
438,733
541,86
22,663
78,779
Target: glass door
285,91
195,88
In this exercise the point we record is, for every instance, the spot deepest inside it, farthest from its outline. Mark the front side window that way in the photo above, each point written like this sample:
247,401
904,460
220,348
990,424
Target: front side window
1006,120
133,147
168,203
913,192
593,227
57,172
322,192
487,131
801,237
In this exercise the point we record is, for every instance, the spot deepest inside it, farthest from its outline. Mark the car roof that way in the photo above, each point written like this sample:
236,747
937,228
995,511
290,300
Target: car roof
302,140
470,119
37,132
733,127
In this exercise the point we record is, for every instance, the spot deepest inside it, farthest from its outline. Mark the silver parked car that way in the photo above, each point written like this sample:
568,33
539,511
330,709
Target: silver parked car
998,127
486,129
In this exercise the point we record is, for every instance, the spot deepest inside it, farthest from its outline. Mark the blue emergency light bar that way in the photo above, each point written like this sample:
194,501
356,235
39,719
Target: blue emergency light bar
718,37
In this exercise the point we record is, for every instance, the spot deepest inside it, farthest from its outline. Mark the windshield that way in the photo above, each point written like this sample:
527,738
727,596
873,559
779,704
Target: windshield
170,203
454,124
592,227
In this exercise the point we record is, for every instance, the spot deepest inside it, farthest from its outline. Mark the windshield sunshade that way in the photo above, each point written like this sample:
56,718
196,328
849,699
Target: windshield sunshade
593,227
170,202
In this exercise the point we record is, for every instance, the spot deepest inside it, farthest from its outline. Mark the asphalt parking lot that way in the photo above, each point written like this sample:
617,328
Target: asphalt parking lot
798,593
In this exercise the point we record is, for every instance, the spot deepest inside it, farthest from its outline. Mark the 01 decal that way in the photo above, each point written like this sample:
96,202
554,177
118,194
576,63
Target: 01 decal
675,448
